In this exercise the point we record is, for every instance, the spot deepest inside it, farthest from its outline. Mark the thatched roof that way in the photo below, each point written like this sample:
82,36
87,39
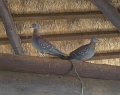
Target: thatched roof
62,26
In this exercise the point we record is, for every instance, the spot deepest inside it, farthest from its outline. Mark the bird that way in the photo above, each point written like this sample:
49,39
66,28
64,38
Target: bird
42,45
84,52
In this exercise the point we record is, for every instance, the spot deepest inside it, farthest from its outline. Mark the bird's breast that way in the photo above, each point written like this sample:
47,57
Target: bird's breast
35,44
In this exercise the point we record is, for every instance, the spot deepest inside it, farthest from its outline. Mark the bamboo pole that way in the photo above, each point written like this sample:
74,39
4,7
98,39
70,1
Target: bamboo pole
10,29
57,67
53,16
109,11
63,37
35,84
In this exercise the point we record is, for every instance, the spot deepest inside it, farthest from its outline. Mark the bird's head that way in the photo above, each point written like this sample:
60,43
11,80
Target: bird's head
93,40
35,26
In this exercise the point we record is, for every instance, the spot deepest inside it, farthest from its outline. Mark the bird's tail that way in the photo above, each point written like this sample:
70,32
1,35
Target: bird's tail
58,53
65,57
61,56
68,58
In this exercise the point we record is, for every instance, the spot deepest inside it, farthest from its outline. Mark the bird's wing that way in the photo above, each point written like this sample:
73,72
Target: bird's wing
81,51
49,48
44,43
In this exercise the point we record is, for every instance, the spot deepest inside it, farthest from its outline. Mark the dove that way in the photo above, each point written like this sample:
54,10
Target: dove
84,52
43,46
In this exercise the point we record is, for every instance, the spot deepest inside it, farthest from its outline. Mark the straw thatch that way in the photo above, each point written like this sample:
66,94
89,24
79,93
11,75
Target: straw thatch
62,26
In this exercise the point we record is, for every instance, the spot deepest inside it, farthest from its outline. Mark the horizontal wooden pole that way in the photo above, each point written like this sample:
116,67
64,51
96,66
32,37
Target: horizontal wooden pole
35,84
57,66
34,64
63,37
53,16
109,55
96,71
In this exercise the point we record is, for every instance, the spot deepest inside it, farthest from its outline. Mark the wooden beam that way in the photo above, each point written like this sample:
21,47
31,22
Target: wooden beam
109,55
96,71
57,66
109,11
35,84
34,64
53,16
10,28
71,36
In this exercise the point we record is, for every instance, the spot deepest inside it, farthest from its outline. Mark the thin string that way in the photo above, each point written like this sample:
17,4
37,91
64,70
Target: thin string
82,84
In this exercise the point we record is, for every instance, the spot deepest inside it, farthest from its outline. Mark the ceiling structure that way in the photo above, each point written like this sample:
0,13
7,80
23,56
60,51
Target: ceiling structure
67,24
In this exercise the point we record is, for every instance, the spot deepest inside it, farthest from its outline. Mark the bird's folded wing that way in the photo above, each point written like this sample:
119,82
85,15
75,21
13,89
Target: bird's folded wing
44,43
80,51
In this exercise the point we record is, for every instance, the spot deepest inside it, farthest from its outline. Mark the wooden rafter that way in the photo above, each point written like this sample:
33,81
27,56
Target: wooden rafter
10,28
63,37
53,16
109,11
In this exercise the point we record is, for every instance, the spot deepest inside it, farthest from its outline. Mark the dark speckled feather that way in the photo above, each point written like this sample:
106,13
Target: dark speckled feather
84,52
43,45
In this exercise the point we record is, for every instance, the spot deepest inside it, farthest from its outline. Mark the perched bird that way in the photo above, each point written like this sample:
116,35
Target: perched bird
42,45
84,52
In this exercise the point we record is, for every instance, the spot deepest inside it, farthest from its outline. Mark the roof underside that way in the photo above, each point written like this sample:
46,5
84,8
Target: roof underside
63,26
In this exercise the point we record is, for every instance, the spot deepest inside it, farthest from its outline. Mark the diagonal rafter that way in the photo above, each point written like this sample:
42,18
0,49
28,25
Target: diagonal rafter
109,11
10,28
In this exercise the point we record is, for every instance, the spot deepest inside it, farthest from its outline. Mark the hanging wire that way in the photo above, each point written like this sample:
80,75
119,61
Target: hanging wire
82,84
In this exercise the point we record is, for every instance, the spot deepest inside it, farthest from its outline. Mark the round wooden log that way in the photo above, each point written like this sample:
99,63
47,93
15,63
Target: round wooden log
34,64
97,71
57,66
35,84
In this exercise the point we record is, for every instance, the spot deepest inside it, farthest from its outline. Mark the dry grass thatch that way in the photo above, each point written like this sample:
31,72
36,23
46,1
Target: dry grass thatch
62,26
